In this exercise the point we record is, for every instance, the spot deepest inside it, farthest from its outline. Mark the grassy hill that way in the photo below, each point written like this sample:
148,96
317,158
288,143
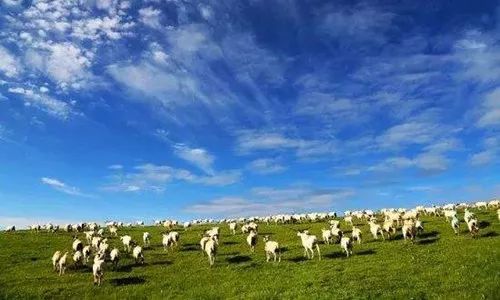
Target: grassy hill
439,265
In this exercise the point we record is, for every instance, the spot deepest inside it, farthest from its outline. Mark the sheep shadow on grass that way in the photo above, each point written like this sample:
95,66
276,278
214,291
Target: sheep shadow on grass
229,243
298,259
190,248
489,234
238,259
334,255
426,241
128,281
429,234
365,252
484,224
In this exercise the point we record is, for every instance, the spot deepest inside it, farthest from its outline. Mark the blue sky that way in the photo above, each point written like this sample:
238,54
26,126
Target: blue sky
132,110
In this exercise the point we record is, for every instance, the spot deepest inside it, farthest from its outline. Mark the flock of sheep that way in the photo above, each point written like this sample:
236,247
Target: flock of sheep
407,221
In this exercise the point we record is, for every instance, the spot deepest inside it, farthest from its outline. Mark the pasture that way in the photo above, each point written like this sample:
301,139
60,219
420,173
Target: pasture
438,265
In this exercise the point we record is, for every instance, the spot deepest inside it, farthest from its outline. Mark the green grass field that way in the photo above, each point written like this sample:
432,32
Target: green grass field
439,265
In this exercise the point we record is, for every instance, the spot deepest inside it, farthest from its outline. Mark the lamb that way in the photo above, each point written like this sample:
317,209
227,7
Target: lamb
98,269
210,248
55,260
77,245
455,224
326,235
138,255
356,234
146,238
346,244
252,240
309,242
78,258
375,229
62,263
86,253
127,242
115,257
271,248
409,230
473,227
232,227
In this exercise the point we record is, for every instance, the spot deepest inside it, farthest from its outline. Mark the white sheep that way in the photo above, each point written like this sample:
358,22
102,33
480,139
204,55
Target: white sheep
203,241
62,263
455,224
346,245
389,228
55,260
375,229
409,230
232,227
89,235
450,214
271,248
356,234
473,227
77,245
127,242
210,248
78,258
419,226
114,257
252,240
309,242
334,224
86,253
326,235
468,215
498,213
146,238
170,240
337,233
113,230
138,255
98,269
348,220
96,241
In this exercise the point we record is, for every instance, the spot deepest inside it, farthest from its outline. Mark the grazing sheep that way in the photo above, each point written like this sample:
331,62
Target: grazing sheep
77,245
55,260
86,253
409,230
78,258
115,257
455,224
473,227
138,255
127,242
498,213
271,248
375,229
481,204
210,248
389,228
337,233
309,242
356,234
62,263
419,226
232,227
348,220
146,238
334,224
98,269
468,215
450,214
170,240
203,241
346,245
96,241
113,230
89,235
252,240
326,235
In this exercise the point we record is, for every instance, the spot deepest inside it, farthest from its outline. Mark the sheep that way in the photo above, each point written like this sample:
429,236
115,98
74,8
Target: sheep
473,227
62,263
89,235
98,269
113,230
346,244
337,233
77,245
409,230
389,228
170,240
334,224
309,242
138,255
481,204
55,260
455,224
146,238
468,215
419,226
498,213
78,258
356,234
271,248
450,214
214,232
326,235
115,257
96,241
348,220
127,242
210,248
203,241
252,240
232,227
10,228
103,247
375,229
86,253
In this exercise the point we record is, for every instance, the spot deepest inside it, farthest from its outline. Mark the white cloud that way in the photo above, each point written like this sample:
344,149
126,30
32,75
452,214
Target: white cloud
66,63
52,106
490,110
197,156
489,154
266,166
62,187
150,17
115,167
409,133
8,63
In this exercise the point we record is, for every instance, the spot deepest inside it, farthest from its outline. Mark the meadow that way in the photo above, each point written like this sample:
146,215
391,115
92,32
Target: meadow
438,265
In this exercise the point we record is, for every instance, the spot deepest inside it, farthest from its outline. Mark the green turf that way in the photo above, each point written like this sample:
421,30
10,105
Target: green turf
439,265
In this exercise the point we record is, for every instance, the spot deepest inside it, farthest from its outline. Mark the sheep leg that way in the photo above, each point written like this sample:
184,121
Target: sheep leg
319,252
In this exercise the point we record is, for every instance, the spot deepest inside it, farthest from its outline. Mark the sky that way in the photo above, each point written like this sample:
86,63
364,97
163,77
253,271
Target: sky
143,110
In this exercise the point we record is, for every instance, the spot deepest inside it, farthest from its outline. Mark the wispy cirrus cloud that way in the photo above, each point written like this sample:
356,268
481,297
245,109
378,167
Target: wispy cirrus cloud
266,166
198,157
63,187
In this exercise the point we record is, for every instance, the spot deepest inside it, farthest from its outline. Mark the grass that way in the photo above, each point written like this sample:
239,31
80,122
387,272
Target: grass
439,265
